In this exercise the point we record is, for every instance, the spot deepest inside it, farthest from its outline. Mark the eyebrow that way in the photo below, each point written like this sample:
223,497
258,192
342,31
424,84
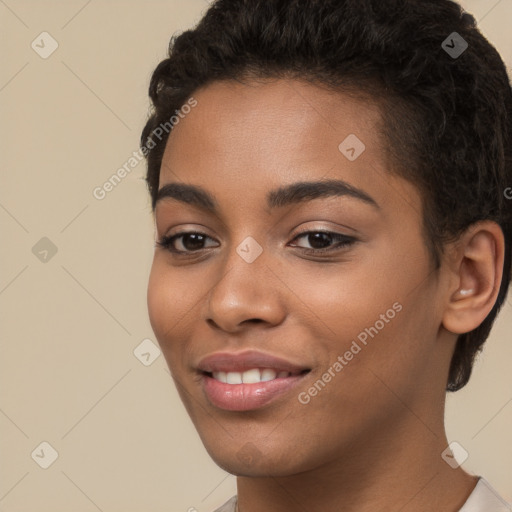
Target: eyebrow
282,196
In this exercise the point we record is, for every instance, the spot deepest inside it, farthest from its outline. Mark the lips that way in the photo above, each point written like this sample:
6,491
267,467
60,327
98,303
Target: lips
248,380
248,360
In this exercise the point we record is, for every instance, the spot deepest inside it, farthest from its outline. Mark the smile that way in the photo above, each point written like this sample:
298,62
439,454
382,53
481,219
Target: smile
247,380
251,376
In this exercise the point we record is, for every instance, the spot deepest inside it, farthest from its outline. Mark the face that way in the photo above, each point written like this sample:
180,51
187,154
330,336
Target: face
316,303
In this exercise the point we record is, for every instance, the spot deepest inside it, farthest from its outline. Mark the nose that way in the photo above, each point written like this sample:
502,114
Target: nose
246,294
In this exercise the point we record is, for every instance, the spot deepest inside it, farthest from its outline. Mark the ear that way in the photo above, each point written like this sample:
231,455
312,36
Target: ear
476,270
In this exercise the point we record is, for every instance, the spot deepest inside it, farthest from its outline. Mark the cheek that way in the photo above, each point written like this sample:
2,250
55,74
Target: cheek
164,314
156,299
345,299
164,302
370,310
173,303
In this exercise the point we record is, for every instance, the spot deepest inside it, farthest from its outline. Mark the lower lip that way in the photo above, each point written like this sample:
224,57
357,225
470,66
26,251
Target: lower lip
247,397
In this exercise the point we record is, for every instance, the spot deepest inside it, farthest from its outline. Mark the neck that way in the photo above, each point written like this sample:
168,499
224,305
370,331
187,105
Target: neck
398,470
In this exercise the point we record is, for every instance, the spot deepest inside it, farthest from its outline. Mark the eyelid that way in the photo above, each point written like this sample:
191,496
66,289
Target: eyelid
167,241
339,243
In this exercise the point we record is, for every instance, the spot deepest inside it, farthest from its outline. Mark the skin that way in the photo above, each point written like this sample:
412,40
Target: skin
372,438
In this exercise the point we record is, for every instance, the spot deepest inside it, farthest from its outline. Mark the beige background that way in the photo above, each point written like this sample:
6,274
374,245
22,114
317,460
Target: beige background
69,326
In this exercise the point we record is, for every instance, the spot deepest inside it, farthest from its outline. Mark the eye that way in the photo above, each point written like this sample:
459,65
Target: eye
321,241
188,242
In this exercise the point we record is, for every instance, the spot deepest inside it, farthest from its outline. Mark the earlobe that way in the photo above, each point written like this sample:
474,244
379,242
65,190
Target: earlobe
477,271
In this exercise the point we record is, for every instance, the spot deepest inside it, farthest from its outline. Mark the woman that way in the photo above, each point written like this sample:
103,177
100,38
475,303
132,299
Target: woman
329,184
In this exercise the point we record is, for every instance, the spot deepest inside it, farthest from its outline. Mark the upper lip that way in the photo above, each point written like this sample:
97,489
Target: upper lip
247,360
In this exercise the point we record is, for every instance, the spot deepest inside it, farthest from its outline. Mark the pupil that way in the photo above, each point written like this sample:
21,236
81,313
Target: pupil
197,241
315,240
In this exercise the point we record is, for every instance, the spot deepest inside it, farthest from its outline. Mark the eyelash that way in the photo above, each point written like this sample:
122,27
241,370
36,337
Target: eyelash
343,241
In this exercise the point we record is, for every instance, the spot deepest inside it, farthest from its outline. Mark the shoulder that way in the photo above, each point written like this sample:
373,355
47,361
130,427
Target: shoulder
485,498
229,506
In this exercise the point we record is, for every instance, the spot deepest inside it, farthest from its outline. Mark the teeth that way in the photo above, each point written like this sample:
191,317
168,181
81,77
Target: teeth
251,376
268,374
221,376
234,378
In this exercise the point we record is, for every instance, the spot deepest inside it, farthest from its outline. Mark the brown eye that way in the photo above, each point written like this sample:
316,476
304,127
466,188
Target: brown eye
187,242
321,241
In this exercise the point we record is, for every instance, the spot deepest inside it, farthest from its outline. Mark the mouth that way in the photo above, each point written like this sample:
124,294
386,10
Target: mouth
252,376
249,380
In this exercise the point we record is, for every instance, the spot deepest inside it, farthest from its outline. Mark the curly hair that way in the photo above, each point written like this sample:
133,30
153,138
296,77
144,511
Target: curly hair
447,119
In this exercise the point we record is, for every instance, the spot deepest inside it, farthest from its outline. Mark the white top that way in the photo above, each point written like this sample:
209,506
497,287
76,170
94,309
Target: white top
483,499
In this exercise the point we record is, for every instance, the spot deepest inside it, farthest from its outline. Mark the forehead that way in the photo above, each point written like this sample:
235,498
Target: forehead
258,135
296,112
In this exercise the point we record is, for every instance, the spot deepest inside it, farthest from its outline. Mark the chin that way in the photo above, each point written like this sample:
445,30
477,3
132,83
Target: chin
253,460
